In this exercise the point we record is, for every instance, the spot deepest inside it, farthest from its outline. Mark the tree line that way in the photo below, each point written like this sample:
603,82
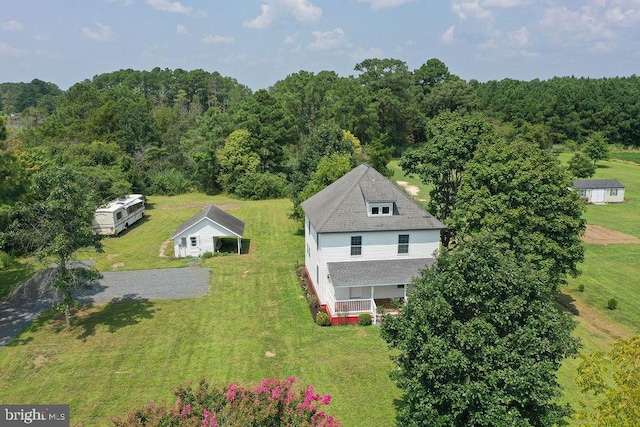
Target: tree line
170,131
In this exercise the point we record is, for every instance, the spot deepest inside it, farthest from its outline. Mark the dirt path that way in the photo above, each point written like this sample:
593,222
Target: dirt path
600,235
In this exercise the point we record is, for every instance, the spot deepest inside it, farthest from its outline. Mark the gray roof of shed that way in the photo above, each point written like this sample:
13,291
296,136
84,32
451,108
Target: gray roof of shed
217,215
341,207
385,272
586,184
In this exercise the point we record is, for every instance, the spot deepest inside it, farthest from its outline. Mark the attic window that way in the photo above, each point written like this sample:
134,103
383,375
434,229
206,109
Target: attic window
380,209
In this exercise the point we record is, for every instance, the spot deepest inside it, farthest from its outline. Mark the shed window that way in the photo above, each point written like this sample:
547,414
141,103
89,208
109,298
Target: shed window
356,245
403,244
583,193
613,192
194,241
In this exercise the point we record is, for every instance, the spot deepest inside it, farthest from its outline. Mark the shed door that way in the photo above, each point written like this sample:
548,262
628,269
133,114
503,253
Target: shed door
597,195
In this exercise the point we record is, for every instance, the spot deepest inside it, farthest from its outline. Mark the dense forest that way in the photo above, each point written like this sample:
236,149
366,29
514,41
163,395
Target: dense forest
171,131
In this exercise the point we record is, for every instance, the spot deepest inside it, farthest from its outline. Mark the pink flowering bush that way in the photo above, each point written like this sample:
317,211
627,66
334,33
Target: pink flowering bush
272,402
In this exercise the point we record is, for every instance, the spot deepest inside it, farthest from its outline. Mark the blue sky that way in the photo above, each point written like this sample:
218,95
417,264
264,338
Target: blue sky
259,42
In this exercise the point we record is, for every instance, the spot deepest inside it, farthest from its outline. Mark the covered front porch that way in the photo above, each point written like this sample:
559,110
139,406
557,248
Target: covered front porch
365,286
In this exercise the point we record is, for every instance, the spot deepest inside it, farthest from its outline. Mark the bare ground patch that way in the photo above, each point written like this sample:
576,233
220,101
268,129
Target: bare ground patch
164,245
600,235
410,188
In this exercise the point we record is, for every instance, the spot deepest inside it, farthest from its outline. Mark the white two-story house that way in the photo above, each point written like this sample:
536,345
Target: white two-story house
365,241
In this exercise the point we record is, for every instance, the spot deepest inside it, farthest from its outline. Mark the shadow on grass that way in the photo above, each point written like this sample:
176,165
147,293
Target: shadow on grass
120,312
567,302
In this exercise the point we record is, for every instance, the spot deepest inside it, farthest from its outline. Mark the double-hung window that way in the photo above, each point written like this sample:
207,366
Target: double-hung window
613,192
403,243
356,245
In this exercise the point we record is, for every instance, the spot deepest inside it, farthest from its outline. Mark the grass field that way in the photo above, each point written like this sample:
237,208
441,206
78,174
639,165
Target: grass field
121,355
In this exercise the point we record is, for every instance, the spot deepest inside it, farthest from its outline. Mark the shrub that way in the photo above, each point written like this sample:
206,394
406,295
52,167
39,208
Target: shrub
261,186
323,319
581,287
207,255
272,402
364,319
612,304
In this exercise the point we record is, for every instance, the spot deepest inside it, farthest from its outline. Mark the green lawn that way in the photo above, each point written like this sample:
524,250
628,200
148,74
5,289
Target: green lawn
121,355
118,356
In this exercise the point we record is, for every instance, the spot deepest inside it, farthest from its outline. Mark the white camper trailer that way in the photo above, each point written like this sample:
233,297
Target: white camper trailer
118,215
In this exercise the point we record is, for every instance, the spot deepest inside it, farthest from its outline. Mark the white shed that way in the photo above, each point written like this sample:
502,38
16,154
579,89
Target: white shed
202,232
600,191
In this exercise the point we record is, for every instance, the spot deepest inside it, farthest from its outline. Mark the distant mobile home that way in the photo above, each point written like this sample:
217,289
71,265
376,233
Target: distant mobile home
600,191
118,215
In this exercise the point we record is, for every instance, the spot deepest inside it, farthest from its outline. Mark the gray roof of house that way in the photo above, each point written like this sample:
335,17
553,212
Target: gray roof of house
217,215
341,207
368,273
586,184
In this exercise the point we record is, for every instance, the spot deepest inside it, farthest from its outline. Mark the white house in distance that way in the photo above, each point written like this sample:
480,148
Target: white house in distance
365,240
600,191
202,232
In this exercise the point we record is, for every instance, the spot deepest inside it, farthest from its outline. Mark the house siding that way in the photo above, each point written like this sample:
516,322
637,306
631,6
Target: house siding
204,231
608,198
382,245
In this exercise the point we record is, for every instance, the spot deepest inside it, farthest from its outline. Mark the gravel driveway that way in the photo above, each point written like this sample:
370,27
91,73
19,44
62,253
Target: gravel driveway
169,283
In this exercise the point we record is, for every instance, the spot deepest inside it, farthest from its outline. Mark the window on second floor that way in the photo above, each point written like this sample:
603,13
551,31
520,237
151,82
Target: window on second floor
356,245
403,243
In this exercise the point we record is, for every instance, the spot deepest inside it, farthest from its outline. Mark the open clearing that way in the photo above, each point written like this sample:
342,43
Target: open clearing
600,235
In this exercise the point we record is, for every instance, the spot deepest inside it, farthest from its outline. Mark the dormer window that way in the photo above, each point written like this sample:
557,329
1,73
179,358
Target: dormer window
380,209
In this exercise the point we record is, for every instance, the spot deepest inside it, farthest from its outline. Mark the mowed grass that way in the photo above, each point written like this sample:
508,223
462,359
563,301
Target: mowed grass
121,355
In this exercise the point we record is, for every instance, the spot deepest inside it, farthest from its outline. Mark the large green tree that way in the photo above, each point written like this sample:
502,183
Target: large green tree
441,161
612,379
580,166
53,225
479,341
519,193
596,147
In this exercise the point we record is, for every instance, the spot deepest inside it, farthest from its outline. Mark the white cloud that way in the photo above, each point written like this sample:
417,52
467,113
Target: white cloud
290,39
520,37
6,50
102,34
169,6
12,25
273,10
360,54
623,13
469,9
181,29
581,26
217,39
504,3
327,40
447,36
384,4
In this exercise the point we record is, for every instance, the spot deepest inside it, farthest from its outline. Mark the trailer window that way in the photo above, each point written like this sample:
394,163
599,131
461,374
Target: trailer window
118,216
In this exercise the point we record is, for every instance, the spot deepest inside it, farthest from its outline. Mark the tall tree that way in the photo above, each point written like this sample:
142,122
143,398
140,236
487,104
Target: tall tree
479,341
518,192
596,147
581,166
53,225
441,161
617,401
